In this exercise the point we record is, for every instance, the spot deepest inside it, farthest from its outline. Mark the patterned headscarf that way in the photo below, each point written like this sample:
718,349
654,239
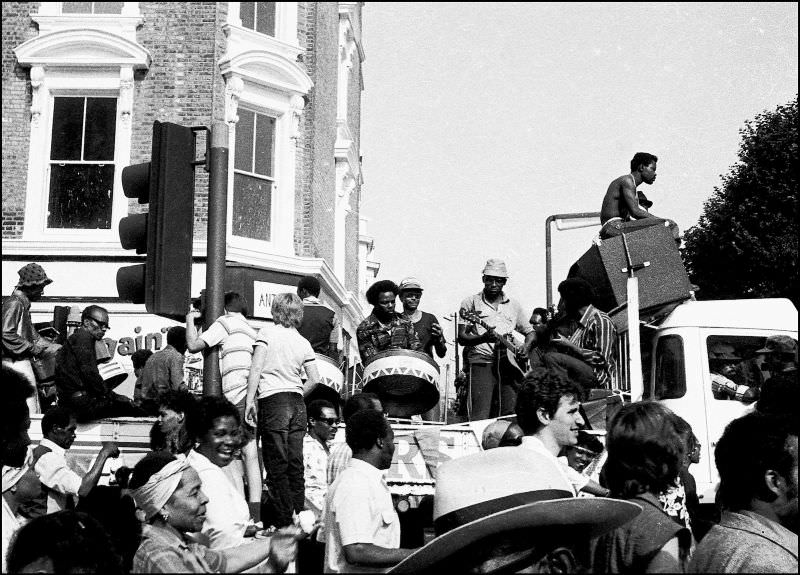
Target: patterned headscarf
153,495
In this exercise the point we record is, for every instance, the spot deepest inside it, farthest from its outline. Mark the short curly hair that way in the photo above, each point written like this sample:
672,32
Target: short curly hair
364,428
645,450
209,408
543,389
379,287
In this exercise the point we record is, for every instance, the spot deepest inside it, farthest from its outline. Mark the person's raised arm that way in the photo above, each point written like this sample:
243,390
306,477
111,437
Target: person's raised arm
194,342
467,336
92,476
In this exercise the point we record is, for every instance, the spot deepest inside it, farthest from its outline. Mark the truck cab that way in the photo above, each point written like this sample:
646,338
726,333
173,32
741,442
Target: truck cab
679,353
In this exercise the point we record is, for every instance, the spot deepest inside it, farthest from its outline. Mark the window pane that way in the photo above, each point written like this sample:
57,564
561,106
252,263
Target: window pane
252,207
244,141
247,14
101,126
76,8
67,129
108,7
80,196
265,16
670,369
265,136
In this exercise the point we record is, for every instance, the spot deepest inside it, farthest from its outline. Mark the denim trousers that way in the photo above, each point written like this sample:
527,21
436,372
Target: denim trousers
281,426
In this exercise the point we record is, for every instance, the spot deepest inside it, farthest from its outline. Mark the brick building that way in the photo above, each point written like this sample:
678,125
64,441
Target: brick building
83,83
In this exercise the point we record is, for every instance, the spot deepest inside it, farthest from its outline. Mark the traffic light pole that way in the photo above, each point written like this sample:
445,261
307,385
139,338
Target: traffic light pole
215,260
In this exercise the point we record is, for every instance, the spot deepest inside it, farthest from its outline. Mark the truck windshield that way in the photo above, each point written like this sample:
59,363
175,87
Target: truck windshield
735,368
670,381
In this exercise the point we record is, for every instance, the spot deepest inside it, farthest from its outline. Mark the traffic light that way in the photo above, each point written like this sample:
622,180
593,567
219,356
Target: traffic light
166,184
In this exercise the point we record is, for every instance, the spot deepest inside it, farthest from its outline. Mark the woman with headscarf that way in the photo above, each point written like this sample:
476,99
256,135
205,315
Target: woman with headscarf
168,492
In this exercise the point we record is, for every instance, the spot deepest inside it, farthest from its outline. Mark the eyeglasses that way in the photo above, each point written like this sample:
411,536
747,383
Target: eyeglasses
100,324
329,420
494,280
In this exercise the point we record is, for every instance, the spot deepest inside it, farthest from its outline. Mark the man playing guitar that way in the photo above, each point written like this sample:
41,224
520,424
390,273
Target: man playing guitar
491,376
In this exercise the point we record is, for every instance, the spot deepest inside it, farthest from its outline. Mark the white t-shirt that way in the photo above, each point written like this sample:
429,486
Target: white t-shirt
236,337
288,353
358,509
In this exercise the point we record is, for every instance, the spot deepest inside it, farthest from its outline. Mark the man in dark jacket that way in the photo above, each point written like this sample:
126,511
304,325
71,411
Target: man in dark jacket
80,385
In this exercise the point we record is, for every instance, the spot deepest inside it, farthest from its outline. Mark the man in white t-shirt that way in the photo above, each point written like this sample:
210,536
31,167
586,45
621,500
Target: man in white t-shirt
276,375
236,338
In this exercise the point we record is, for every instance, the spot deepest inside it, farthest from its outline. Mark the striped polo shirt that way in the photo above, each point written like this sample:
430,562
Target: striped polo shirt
236,339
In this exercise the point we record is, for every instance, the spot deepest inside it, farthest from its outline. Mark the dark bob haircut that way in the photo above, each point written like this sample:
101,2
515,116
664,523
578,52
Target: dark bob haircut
376,289
645,450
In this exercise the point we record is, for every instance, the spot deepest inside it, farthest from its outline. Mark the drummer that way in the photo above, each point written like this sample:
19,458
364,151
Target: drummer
426,325
321,325
384,328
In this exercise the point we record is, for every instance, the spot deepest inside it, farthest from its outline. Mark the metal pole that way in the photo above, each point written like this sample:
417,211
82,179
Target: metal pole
215,260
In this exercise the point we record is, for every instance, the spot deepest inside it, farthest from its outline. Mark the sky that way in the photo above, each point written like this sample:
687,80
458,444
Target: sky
480,120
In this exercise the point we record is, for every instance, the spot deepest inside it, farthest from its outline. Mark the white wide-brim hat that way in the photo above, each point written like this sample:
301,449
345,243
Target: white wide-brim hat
503,490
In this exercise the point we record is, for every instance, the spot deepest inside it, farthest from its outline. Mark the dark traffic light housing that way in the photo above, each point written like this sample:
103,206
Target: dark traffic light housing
165,233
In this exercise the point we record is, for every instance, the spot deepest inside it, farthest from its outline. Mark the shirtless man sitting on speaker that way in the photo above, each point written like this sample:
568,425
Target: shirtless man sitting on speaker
626,210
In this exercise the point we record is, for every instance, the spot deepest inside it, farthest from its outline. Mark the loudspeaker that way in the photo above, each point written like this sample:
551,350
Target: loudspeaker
663,281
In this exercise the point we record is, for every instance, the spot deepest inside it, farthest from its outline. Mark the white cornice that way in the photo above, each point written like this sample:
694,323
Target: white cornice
83,47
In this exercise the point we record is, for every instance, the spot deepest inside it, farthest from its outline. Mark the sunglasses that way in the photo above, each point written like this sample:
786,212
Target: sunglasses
494,280
100,324
329,420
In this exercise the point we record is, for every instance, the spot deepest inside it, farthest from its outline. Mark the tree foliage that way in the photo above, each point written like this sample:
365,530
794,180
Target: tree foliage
745,244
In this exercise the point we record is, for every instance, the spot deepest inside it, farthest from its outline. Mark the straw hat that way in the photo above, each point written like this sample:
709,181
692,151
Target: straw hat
503,490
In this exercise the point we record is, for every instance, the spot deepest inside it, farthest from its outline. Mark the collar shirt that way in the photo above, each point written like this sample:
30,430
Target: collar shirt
54,473
574,481
227,513
236,337
165,550
746,542
597,338
163,372
505,316
338,459
358,509
19,335
315,464
374,336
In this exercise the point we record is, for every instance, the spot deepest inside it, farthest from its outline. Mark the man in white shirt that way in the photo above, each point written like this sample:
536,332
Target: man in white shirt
340,455
236,338
362,528
548,411
60,484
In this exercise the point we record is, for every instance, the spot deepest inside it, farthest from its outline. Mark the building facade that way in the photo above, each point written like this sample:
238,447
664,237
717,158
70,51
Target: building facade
83,83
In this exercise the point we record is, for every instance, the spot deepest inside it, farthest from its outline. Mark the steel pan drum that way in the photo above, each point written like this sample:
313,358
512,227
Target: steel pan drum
405,381
331,381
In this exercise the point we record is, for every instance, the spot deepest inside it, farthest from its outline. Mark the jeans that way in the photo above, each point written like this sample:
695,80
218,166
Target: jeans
281,426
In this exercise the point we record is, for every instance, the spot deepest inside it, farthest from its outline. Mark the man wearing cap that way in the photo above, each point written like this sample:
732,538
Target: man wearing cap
321,324
491,383
426,325
21,341
510,510
722,362
78,380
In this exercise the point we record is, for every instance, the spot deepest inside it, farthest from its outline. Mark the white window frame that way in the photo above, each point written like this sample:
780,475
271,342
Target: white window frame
83,55
285,22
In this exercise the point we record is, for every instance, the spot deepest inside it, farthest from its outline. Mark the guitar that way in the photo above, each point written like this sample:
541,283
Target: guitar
513,342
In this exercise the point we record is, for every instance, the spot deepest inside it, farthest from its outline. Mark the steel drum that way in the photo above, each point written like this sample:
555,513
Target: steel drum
331,381
405,381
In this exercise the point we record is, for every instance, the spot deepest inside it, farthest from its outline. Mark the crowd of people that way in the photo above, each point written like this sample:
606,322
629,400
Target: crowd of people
205,499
